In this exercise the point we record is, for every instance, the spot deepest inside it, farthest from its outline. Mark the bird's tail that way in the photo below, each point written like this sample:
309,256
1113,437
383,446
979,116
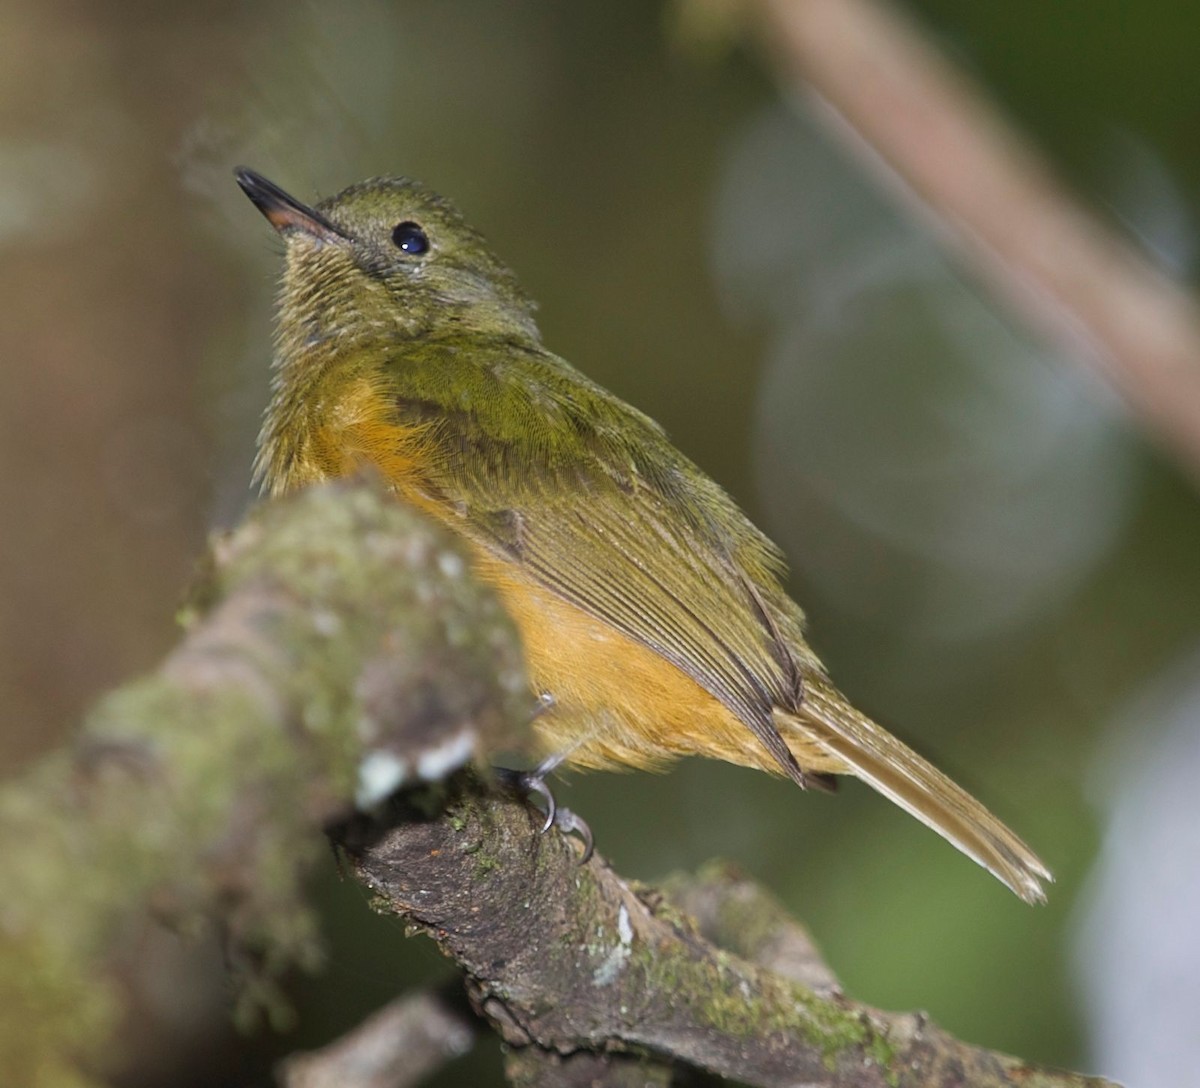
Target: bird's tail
827,721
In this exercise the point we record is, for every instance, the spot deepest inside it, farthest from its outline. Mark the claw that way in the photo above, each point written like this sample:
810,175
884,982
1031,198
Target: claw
534,782
568,823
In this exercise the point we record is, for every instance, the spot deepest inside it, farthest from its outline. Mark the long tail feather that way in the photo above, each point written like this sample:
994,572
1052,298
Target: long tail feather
896,771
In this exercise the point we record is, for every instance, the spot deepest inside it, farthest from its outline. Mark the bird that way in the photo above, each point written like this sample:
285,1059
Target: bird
652,612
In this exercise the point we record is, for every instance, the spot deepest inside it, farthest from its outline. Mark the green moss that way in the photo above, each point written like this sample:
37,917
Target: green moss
662,908
717,997
883,1054
748,917
484,865
52,1009
204,786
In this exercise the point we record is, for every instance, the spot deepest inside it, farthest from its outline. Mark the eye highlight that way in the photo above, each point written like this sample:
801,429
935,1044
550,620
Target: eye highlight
409,237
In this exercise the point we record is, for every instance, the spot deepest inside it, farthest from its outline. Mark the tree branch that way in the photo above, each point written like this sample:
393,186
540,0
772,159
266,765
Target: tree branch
734,913
994,199
562,958
340,643
398,1046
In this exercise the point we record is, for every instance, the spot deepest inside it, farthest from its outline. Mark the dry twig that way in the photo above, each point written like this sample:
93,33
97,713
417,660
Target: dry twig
997,202
398,1046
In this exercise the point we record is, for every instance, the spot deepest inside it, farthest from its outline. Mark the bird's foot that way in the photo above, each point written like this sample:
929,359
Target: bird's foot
533,783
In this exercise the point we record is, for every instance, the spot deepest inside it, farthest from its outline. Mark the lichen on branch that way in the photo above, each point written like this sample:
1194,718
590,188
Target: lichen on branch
337,640
330,632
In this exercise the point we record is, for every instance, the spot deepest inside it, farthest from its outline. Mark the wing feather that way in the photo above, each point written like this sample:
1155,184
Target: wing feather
646,543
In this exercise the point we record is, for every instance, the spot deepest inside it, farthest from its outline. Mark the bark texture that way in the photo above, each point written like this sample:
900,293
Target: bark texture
338,648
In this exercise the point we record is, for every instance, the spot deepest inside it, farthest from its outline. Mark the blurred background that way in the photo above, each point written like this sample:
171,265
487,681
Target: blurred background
997,560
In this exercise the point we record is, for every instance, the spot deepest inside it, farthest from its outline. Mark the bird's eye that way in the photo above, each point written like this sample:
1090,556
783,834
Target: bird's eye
410,238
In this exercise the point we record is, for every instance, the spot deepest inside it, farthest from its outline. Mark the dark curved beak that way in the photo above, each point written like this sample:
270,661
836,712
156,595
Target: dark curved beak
285,213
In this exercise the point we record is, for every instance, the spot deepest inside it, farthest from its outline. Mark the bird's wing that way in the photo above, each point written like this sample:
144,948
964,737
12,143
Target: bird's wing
617,522
621,560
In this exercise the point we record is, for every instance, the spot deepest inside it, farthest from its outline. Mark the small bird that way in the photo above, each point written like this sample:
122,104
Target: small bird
651,610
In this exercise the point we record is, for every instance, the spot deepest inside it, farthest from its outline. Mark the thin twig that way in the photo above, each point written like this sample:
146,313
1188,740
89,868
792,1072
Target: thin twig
396,1047
735,913
998,203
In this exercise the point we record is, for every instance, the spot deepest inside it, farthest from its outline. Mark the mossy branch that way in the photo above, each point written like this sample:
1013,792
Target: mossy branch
564,958
337,644
339,648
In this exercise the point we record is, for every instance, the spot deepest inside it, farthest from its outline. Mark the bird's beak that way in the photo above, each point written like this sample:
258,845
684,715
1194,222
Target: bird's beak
285,213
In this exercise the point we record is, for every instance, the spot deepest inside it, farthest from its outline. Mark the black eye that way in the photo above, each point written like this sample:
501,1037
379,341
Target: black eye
410,238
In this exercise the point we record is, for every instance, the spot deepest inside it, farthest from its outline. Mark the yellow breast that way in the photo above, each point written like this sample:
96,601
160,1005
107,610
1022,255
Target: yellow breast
616,703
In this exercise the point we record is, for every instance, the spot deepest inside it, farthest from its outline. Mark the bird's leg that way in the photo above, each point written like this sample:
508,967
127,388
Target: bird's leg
534,783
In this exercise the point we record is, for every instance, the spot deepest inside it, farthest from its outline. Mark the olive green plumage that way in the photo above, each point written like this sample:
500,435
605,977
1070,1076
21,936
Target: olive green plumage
406,344
579,486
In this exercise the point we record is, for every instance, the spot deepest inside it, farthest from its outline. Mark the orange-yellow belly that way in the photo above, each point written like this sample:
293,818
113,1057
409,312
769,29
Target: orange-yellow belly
616,703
